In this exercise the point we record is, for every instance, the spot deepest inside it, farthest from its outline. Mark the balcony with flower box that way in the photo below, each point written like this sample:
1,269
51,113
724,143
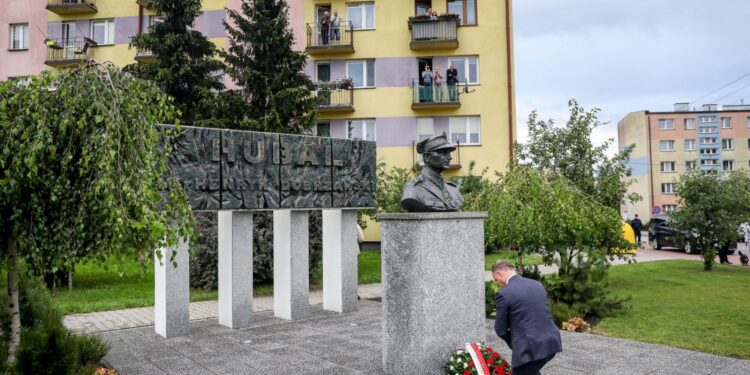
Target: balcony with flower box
66,7
335,97
68,52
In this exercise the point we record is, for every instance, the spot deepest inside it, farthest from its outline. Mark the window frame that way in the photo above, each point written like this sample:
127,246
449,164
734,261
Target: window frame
666,141
363,13
704,151
463,20
432,123
704,119
690,164
363,122
666,124
667,170
467,133
725,163
685,144
107,37
690,121
713,162
728,121
669,208
667,186
364,73
730,142
24,39
466,65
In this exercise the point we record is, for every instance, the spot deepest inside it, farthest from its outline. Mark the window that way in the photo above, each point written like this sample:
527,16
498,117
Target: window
464,130
748,143
362,15
709,151
425,128
689,123
669,208
708,130
153,20
103,31
323,129
666,124
666,145
707,118
667,188
19,36
361,129
667,166
690,164
727,165
709,141
726,122
747,121
468,69
690,145
727,144
710,162
466,9
362,72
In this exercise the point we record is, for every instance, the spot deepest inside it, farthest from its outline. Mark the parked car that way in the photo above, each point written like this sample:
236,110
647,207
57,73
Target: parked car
660,235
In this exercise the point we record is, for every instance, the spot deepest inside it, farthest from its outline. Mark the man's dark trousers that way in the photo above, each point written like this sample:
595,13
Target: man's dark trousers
532,368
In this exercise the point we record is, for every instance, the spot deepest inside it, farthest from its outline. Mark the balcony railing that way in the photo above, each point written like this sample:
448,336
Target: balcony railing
72,51
333,98
434,33
71,6
435,96
144,56
321,41
455,156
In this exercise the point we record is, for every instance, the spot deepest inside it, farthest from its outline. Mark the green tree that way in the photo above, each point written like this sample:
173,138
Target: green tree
569,151
260,58
81,172
712,206
532,211
186,66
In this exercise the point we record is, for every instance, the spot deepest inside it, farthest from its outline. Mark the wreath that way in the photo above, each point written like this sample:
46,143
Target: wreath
477,359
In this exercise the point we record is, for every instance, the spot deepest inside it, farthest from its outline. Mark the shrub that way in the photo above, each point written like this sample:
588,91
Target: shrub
204,267
561,312
490,288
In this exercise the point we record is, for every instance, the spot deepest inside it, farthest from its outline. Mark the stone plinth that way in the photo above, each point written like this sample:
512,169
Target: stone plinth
235,268
433,288
291,254
172,291
340,250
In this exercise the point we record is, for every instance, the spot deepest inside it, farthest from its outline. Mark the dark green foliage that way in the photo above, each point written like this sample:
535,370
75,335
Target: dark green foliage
47,347
561,312
490,289
389,186
260,58
186,67
204,267
532,272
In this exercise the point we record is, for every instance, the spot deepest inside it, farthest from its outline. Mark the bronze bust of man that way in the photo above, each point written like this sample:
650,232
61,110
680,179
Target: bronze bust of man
429,192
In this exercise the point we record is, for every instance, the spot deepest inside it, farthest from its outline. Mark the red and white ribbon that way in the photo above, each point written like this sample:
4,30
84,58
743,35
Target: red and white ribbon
476,355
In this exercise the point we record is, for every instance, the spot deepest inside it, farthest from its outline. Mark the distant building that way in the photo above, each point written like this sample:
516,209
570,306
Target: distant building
669,143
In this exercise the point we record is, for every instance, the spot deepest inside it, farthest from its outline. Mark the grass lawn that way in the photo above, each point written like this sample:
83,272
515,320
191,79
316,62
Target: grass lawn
97,289
511,256
677,304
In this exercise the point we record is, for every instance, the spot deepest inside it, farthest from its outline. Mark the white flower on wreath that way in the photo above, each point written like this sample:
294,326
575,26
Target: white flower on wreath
465,365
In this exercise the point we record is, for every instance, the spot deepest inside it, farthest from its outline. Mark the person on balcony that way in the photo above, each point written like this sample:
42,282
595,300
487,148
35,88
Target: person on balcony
325,27
452,75
437,81
426,85
335,27
434,15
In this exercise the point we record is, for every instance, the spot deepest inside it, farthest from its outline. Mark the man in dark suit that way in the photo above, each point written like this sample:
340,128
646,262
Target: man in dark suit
524,320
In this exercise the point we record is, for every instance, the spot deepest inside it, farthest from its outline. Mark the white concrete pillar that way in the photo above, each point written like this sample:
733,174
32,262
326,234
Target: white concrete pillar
291,280
235,268
172,291
340,250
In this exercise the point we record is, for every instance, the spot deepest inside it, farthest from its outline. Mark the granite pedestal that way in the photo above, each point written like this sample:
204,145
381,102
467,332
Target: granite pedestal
433,288
235,268
340,250
172,291
291,263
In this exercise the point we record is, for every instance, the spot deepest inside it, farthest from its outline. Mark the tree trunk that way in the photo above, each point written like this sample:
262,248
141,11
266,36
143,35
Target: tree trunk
13,310
70,281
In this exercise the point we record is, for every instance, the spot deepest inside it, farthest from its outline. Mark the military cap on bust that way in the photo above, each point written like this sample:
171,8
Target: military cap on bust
435,143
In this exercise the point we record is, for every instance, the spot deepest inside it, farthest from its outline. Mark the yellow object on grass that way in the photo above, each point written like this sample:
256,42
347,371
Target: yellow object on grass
629,234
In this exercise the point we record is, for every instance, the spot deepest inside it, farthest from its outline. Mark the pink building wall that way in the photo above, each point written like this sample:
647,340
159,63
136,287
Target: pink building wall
30,61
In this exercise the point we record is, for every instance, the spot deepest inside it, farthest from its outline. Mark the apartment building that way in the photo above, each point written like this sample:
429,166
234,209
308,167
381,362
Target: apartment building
368,67
669,143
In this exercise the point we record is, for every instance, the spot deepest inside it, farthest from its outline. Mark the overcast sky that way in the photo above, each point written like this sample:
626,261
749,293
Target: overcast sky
628,55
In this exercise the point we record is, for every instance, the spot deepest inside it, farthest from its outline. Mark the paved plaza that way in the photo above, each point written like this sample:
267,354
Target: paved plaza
332,343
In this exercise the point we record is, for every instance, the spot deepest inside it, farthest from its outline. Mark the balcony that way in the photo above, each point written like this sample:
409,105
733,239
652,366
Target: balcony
68,52
442,96
455,156
335,40
148,4
433,33
334,98
65,7
144,56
